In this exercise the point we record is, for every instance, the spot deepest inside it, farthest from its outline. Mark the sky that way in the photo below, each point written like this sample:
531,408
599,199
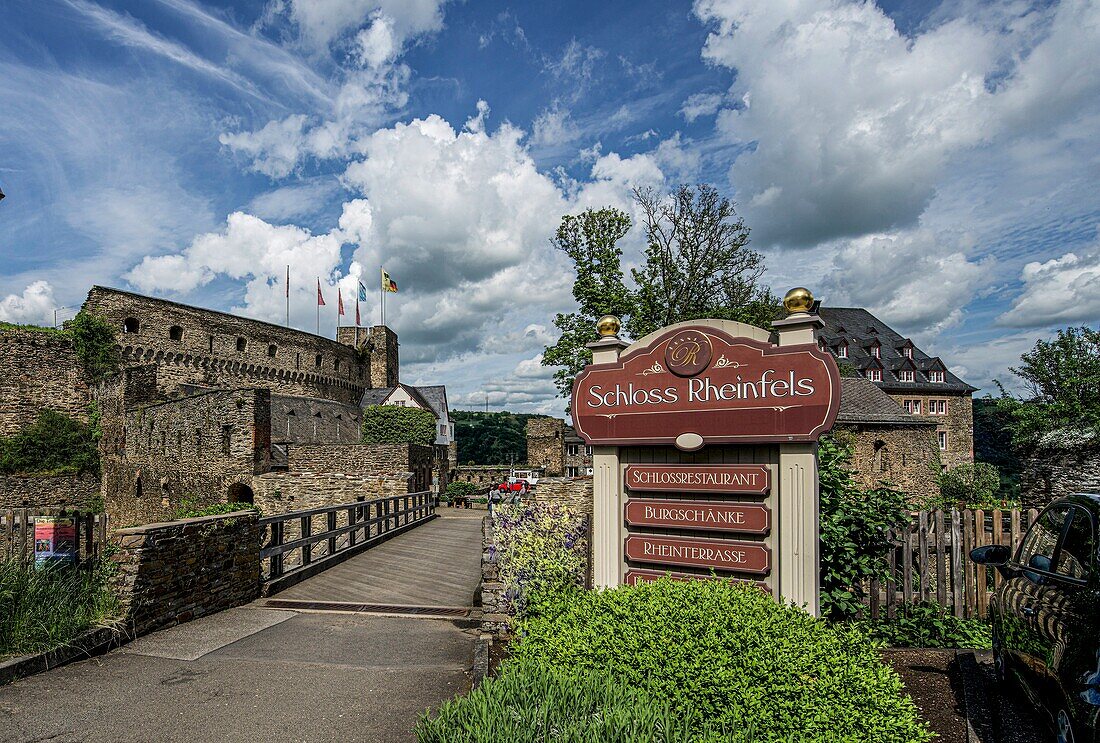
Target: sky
935,163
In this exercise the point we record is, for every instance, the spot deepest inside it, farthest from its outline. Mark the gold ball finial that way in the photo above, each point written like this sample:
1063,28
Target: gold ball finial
799,299
608,326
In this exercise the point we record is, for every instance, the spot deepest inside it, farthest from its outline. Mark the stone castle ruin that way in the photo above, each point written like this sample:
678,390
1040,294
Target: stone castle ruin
213,408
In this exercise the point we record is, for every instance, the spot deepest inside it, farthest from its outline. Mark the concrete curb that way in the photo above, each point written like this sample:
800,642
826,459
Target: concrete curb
91,643
481,659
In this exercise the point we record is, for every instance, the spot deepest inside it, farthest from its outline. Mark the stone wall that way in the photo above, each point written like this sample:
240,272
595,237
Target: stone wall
194,346
39,370
544,445
572,492
310,420
496,610
958,424
1052,474
169,573
57,491
283,492
482,474
193,450
906,456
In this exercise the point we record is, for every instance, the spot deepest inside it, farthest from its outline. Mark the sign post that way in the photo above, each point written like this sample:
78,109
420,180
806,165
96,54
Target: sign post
704,439
54,540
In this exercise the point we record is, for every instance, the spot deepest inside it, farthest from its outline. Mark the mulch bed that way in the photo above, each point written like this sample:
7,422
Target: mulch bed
932,679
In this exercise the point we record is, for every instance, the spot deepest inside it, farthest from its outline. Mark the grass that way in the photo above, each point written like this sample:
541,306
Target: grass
43,609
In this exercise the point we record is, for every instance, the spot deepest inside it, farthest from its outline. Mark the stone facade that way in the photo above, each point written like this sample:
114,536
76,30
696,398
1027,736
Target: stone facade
1052,474
410,462
954,428
38,370
170,573
310,420
194,346
574,493
496,610
379,345
545,445
56,491
483,474
907,457
282,492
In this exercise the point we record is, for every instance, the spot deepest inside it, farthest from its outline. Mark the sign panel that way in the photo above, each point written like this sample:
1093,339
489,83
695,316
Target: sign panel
745,557
743,479
703,381
54,540
742,518
634,576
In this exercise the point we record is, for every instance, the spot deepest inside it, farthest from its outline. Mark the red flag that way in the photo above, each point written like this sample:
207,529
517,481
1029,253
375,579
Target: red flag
357,311
320,298
339,302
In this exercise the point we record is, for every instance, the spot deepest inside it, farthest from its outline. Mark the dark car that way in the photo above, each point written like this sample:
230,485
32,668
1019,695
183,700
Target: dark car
1046,615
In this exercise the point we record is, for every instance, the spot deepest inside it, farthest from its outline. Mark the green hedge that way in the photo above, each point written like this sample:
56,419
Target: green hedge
715,651
462,489
394,424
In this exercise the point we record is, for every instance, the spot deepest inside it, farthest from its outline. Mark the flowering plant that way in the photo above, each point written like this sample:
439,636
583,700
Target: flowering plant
541,548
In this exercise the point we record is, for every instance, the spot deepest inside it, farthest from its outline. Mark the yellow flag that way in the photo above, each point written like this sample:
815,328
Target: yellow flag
388,284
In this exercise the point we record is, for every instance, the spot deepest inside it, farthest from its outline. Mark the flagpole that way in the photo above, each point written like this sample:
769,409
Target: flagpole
288,295
318,305
382,295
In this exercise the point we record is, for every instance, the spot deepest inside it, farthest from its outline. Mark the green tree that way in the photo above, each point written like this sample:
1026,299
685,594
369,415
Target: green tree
54,443
491,438
394,424
590,240
974,485
1062,377
854,521
697,263
993,444
94,343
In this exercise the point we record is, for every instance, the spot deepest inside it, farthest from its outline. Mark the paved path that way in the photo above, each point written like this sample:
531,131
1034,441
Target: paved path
260,674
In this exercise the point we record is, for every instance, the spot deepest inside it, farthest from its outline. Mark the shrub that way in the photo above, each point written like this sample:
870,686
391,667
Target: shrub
190,510
926,624
973,485
854,521
541,549
540,703
394,424
53,444
42,609
461,489
94,343
721,652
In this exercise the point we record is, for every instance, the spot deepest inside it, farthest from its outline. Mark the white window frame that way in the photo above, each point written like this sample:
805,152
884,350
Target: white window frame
876,351
943,440
936,376
842,351
905,375
875,375
908,352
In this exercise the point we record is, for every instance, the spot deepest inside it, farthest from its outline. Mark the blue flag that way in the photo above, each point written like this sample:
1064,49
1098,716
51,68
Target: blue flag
362,292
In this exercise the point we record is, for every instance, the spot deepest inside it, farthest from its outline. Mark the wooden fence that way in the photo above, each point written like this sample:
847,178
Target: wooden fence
301,543
931,560
17,532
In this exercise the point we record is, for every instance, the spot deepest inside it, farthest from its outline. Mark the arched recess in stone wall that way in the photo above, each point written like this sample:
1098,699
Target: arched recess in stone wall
240,493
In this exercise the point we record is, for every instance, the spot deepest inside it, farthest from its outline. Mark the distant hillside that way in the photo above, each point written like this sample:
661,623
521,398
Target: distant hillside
491,438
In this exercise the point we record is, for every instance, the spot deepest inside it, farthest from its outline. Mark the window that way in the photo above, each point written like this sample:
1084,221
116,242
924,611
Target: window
935,376
227,434
880,458
1041,540
175,333
842,350
336,365
588,452
913,407
572,450
130,325
908,352
906,375
571,472
241,344
442,430
876,351
875,375
1073,556
937,407
318,361
211,344
943,440
272,350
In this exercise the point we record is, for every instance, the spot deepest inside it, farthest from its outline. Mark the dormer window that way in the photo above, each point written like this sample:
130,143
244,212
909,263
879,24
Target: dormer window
935,376
842,350
905,375
875,375
876,351
907,352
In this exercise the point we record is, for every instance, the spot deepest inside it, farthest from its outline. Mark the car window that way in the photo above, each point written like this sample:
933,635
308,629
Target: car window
1073,557
1037,550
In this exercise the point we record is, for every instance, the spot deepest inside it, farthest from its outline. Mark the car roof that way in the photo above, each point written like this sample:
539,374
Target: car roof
1090,501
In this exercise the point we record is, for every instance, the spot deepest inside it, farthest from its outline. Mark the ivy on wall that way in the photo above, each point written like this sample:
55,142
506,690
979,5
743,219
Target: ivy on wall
94,343
393,424
54,444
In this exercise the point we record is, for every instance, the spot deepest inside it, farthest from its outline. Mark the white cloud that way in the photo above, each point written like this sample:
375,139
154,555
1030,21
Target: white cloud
34,306
323,22
701,104
554,127
915,281
1057,292
576,67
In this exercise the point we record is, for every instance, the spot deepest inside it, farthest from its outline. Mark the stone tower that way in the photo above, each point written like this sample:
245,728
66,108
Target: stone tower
545,447
380,345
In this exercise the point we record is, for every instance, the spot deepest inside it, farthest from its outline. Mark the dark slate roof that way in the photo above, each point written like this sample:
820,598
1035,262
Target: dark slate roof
861,330
432,398
861,401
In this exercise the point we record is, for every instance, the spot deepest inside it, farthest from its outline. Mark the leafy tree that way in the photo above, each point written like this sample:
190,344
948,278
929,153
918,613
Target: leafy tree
394,424
854,521
974,485
993,444
697,263
491,438
94,343
1062,377
589,239
54,443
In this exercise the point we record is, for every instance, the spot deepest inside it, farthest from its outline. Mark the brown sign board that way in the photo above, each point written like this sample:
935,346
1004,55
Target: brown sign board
744,479
634,576
740,518
720,554
701,380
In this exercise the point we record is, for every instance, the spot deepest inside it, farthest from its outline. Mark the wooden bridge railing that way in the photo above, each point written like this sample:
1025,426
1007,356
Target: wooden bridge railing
299,544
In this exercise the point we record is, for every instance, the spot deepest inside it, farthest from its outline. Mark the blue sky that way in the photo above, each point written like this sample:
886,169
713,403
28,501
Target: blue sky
936,164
